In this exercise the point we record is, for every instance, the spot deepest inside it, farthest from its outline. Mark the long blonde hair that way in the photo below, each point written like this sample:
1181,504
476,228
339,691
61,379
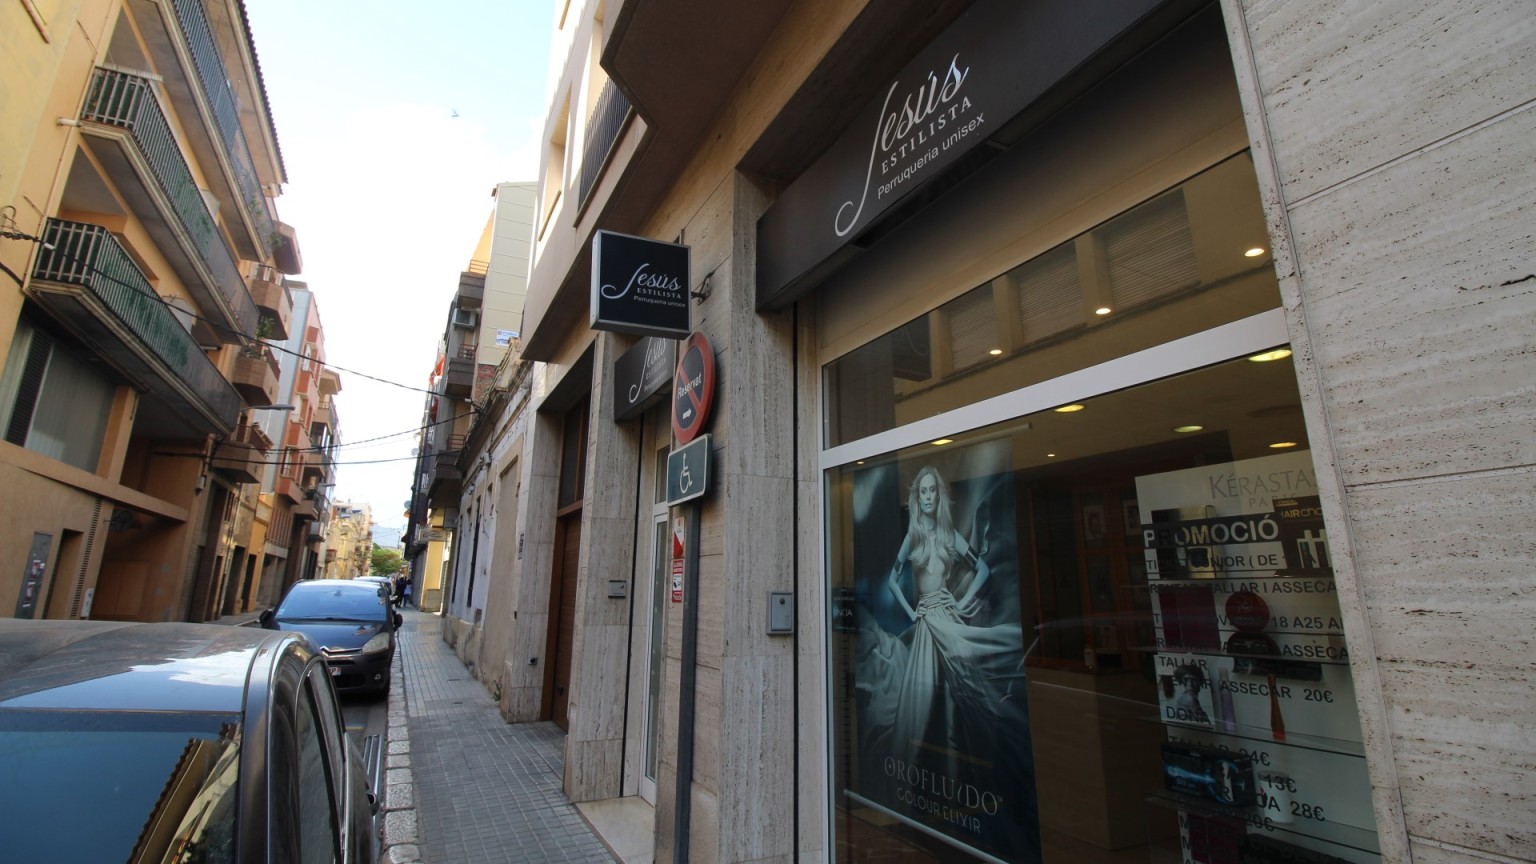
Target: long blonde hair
943,533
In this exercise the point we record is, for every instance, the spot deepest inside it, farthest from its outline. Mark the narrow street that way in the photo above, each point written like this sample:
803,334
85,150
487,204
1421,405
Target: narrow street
462,785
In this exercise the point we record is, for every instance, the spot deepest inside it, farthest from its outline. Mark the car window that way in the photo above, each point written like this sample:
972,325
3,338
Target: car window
144,783
341,601
317,802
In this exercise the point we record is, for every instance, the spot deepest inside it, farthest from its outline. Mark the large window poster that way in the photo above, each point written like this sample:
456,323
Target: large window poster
1263,759
941,735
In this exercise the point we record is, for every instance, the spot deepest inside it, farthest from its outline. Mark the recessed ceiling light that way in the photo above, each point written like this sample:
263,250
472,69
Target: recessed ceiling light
1277,354
1188,428
860,462
1050,455
1068,409
1282,445
942,441
995,351
1102,310
1255,252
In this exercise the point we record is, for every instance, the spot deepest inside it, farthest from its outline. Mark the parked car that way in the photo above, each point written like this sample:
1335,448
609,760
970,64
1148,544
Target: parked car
184,742
351,622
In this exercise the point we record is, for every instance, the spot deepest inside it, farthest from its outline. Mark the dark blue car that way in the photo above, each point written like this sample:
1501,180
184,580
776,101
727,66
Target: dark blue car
351,622
175,742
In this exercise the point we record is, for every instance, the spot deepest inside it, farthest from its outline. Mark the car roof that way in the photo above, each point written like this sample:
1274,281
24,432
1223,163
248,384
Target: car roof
117,666
333,584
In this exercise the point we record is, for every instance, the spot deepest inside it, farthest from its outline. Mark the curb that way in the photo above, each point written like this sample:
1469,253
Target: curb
402,842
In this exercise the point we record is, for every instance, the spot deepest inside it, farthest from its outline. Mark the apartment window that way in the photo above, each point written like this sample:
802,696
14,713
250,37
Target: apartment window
554,166
51,401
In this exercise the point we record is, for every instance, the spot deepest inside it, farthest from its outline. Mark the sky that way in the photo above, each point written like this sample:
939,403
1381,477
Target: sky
396,120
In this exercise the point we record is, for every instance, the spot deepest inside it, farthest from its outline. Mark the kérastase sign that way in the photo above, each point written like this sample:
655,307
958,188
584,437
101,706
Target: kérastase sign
640,286
990,64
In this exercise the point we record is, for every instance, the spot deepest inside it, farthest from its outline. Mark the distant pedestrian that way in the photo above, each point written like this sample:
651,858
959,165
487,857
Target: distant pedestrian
405,594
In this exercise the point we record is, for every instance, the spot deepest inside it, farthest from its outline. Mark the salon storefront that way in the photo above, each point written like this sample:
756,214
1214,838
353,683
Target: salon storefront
1135,405
1080,600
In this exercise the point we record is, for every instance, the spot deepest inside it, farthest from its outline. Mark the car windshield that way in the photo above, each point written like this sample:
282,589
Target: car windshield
119,786
335,602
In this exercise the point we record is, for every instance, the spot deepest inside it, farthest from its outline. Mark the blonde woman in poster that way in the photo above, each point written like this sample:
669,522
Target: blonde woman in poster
944,728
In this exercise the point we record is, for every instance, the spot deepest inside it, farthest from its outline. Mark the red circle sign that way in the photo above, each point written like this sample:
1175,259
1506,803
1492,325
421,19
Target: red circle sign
693,387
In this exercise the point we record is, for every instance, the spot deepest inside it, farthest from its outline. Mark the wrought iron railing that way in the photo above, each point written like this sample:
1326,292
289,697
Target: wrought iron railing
76,253
215,83
129,102
603,129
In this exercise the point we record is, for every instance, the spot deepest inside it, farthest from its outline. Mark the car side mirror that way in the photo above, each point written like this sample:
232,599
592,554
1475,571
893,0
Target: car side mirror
268,619
399,620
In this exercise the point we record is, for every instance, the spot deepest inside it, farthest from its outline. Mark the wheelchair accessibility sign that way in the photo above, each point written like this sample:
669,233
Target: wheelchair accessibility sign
688,471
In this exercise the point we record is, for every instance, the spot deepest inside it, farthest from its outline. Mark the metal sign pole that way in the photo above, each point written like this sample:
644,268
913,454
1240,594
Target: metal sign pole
687,684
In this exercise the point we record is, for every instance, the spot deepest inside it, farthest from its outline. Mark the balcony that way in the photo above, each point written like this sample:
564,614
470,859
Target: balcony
88,282
471,290
603,129
459,377
242,456
314,468
273,301
447,481
329,382
145,162
178,30
254,375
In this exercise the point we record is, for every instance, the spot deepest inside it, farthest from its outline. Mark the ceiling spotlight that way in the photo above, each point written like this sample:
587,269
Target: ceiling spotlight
1102,310
1190,428
1068,409
1282,445
995,352
940,442
1050,455
1255,252
1277,354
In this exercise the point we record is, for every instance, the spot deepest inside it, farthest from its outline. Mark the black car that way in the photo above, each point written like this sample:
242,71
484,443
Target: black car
351,622
175,742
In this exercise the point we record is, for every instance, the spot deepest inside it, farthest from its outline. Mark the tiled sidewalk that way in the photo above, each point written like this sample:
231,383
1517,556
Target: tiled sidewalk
464,787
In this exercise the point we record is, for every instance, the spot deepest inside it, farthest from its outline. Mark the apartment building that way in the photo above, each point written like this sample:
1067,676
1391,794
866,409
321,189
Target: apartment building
478,357
1119,441
349,541
137,176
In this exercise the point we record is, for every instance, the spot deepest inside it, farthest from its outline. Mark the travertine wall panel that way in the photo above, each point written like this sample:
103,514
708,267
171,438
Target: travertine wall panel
759,761
1446,571
759,559
1350,86
707,729
1418,281
1462,743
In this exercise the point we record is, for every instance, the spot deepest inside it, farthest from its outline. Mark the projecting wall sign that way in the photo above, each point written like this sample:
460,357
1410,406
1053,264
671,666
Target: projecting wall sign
639,286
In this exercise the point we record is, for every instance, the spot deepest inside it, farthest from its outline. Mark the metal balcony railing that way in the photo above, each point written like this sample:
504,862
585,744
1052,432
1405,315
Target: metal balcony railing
129,102
75,253
603,129
214,78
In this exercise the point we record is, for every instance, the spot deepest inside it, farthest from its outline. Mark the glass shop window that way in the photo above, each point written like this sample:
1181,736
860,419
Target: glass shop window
1180,263
1104,635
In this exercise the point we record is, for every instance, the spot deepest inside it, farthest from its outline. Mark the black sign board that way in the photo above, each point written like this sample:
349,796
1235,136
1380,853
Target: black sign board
688,471
996,59
639,286
641,376
693,388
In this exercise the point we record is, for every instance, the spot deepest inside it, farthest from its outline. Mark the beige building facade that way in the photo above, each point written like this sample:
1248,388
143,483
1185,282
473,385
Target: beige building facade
137,176
1127,406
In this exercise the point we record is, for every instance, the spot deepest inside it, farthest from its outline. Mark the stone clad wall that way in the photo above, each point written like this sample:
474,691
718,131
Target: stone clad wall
1395,142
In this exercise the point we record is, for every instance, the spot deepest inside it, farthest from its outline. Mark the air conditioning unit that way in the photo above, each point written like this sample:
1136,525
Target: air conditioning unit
465,318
